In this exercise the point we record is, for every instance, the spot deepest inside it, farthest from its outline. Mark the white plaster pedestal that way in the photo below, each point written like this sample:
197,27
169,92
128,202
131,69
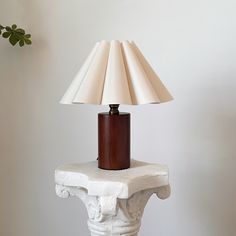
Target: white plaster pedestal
115,200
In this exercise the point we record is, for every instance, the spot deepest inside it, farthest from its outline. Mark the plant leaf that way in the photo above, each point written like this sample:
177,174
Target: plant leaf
13,39
28,41
15,35
21,43
14,26
8,28
21,31
27,36
18,36
6,34
1,28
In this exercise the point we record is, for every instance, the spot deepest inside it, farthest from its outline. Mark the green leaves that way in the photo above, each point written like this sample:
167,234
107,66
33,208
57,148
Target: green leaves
15,35
6,34
14,26
1,28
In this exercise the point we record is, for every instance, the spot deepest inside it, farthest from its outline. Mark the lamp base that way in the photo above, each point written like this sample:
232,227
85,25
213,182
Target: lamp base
114,141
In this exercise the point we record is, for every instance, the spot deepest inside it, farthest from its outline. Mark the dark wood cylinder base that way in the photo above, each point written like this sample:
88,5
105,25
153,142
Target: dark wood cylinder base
114,141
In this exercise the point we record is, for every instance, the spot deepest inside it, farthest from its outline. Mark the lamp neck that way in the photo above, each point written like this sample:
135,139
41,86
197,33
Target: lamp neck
114,109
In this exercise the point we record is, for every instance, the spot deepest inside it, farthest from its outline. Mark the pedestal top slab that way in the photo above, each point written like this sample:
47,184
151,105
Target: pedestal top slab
121,184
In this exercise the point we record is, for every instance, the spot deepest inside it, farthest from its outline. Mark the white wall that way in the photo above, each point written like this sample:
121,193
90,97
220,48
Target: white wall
191,44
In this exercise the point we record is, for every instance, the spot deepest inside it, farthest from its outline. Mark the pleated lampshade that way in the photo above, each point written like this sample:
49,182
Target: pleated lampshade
116,73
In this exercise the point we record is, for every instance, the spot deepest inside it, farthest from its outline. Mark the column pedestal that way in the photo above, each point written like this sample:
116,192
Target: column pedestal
115,200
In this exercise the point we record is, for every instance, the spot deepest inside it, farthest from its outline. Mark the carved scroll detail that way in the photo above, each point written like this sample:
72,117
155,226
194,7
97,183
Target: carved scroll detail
111,216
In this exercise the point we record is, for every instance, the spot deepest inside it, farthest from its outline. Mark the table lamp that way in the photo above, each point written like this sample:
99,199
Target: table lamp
115,73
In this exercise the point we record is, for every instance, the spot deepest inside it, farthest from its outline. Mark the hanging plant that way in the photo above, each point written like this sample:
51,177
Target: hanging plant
15,35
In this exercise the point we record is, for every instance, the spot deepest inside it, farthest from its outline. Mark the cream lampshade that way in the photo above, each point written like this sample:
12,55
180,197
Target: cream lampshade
115,73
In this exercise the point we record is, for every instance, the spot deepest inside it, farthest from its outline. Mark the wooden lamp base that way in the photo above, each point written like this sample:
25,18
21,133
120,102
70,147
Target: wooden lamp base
114,140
